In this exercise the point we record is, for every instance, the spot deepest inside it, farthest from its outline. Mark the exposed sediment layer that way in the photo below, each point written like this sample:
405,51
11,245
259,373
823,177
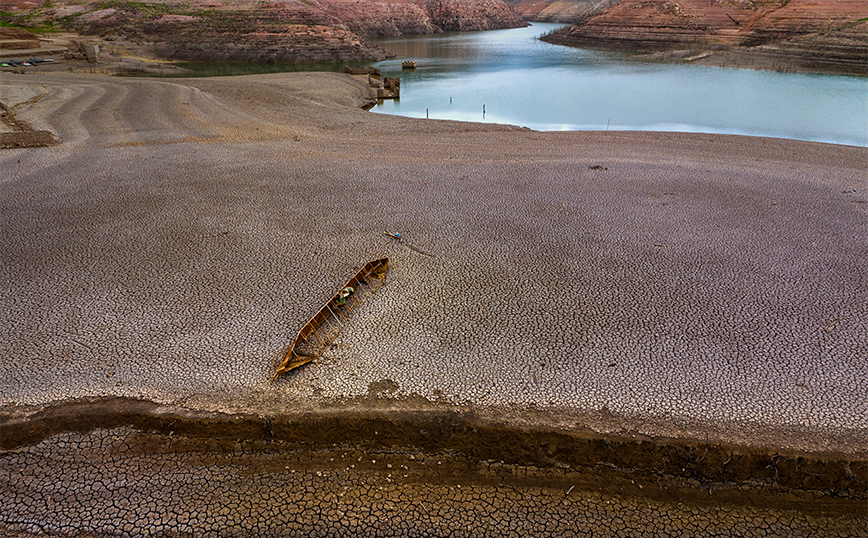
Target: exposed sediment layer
477,437
827,37
401,473
15,133
564,11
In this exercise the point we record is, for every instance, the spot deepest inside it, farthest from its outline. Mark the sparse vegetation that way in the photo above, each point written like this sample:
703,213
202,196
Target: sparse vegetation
142,7
11,20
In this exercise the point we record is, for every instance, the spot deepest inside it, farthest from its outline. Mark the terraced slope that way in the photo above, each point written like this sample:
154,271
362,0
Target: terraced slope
567,11
822,36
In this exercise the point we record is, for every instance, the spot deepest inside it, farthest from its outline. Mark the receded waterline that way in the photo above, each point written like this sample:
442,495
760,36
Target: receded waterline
524,81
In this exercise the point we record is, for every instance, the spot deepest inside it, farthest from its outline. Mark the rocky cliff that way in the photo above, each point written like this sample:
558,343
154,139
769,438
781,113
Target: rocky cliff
829,36
566,11
397,17
811,35
262,31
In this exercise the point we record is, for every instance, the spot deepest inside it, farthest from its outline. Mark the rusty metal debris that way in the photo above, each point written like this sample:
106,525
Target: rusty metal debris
320,331
400,239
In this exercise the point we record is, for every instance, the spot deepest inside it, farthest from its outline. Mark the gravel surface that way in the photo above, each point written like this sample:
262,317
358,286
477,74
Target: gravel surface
173,243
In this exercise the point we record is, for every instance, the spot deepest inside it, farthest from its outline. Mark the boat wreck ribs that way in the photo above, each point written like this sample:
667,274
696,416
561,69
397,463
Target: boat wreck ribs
320,331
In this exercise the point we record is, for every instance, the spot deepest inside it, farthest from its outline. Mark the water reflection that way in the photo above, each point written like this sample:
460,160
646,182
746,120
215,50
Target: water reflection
521,80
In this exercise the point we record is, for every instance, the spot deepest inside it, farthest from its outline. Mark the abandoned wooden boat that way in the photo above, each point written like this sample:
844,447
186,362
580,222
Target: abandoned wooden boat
317,335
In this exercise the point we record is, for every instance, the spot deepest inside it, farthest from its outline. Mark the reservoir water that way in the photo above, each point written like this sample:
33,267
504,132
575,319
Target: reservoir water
521,80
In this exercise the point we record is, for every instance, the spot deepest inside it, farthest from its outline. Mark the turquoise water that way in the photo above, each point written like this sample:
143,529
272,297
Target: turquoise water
523,81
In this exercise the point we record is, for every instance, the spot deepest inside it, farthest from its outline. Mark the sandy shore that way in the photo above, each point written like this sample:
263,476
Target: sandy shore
643,285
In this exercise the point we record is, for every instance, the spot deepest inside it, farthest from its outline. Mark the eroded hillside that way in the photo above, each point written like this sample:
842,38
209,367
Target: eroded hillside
262,31
826,36
566,11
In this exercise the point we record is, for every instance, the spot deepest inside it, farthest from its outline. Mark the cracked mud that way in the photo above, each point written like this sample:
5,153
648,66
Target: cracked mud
656,334
126,468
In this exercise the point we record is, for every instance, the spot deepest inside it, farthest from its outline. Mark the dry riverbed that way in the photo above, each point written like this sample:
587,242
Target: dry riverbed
617,333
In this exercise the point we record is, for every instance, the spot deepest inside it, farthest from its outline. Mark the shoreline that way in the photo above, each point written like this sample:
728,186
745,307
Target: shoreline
766,58
120,56
252,196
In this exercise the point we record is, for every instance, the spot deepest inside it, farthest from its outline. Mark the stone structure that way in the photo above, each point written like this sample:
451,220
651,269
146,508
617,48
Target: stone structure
90,51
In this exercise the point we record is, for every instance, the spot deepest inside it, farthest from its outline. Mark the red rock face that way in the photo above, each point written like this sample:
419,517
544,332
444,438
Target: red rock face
811,30
395,17
667,24
804,16
384,18
567,11
453,15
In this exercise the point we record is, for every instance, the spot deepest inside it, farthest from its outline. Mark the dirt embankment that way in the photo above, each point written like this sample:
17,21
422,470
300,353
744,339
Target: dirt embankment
678,470
262,31
796,35
16,133
18,39
125,466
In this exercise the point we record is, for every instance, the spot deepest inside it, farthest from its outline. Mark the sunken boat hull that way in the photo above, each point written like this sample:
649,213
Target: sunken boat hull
323,328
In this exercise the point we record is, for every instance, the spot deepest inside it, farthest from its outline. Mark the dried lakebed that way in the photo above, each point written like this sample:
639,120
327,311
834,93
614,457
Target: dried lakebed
663,331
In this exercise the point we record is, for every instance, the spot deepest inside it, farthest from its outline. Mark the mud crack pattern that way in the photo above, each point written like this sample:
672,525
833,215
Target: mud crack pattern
124,483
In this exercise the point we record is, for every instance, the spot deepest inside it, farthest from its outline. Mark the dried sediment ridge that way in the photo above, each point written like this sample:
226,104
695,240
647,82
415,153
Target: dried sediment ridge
18,134
477,435
399,472
668,294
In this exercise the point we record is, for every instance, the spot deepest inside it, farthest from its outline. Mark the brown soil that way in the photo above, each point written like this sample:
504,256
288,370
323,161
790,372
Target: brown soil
17,133
315,118
18,39
680,470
